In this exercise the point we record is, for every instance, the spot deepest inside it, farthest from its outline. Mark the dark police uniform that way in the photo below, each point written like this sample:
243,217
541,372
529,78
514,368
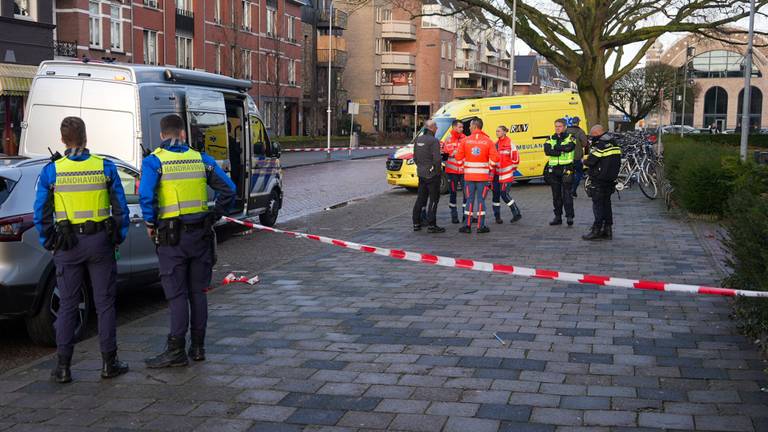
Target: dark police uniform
603,163
81,214
559,174
174,200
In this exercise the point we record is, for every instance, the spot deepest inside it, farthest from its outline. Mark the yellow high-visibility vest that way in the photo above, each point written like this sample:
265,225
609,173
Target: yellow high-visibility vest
80,191
564,158
183,187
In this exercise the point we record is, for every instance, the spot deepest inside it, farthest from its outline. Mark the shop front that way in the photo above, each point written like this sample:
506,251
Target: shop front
15,81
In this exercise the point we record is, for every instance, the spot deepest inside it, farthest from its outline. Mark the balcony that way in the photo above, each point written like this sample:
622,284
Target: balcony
340,19
468,65
398,92
398,30
185,20
398,61
338,58
65,48
335,42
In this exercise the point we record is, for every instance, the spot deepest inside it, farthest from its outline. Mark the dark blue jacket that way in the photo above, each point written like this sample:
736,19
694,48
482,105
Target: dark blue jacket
44,210
150,179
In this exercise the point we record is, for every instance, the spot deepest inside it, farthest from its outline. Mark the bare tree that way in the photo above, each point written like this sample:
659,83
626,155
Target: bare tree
641,91
587,39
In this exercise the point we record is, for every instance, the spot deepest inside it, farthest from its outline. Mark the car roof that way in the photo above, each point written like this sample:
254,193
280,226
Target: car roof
21,162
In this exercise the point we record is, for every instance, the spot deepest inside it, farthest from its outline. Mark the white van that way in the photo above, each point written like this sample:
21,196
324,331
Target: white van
122,106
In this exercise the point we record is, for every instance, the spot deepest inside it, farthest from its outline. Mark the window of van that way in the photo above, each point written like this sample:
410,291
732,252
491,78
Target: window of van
259,137
208,131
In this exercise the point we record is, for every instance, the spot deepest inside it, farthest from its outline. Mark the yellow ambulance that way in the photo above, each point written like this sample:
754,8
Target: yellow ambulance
529,118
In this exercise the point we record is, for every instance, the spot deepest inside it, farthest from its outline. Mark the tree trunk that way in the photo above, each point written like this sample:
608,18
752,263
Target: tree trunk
595,102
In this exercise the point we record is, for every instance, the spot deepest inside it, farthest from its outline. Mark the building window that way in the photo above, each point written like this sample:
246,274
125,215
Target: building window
116,27
386,14
378,14
379,46
184,5
716,107
720,64
450,51
292,72
23,8
755,109
291,23
442,80
271,18
246,15
218,59
247,65
217,11
94,21
184,52
233,69
150,47
377,78
268,114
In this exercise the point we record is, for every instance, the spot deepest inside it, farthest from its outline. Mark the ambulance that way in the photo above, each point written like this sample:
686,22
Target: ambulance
529,118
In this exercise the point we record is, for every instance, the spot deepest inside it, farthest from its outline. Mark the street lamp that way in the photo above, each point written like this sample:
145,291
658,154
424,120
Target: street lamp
746,105
689,52
512,54
330,53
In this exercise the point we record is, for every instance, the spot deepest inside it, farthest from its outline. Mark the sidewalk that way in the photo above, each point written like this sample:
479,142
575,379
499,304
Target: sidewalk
338,340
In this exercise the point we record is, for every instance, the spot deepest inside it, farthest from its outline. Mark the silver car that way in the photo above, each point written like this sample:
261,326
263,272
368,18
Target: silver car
27,283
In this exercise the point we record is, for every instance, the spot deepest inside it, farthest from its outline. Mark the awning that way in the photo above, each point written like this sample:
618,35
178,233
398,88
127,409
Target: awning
15,80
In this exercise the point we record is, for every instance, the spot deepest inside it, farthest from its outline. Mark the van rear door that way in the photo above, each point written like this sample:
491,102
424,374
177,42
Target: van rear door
50,100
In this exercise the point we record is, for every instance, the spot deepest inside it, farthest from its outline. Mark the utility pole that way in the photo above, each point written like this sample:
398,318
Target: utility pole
512,54
746,105
688,52
330,54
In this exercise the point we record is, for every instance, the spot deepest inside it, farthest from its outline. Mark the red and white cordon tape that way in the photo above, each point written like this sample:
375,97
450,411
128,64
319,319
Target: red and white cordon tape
512,270
317,149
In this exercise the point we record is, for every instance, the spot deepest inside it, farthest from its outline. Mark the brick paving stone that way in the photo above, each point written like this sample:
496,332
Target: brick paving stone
464,424
661,394
453,409
174,423
609,418
665,421
311,416
525,427
224,425
355,419
417,423
535,399
585,402
403,406
515,413
389,391
346,389
557,416
713,396
611,391
329,402
267,413
723,423
275,427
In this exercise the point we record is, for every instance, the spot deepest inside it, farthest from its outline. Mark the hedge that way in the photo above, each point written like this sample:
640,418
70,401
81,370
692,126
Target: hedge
733,140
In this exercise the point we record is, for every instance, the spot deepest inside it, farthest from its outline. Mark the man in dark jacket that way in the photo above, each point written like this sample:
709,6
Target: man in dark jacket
429,167
603,163
561,149
582,144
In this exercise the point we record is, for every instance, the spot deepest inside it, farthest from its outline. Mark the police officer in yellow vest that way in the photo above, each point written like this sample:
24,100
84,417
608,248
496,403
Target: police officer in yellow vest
174,201
81,215
560,148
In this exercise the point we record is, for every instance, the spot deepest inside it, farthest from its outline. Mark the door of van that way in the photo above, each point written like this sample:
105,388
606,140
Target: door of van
265,166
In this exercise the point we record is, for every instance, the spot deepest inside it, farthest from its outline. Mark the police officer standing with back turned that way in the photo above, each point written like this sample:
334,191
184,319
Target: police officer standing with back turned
174,201
603,164
560,148
81,215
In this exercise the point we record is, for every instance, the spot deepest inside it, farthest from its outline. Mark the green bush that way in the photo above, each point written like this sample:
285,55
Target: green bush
732,140
702,177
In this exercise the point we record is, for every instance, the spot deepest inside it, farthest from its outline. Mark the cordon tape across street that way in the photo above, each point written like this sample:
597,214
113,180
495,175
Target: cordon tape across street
317,149
512,270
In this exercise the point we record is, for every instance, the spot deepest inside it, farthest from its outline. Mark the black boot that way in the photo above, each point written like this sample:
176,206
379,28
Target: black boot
111,366
498,220
173,356
61,373
197,348
556,221
593,234
516,215
483,230
607,232
569,221
465,229
454,219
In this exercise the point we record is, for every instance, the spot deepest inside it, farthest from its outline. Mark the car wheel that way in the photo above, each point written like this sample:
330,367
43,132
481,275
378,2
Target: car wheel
269,217
443,184
41,326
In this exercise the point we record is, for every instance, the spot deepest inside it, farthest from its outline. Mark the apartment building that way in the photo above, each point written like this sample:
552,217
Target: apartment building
257,40
325,52
401,70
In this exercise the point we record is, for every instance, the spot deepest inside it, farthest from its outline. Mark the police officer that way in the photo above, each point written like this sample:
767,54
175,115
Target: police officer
560,148
429,167
174,200
454,169
603,164
81,215
582,144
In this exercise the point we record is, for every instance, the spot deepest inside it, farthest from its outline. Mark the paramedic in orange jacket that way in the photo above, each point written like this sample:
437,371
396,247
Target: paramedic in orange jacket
479,155
454,169
504,175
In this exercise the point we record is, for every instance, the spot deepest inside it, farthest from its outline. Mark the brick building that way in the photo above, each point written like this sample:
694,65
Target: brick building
257,40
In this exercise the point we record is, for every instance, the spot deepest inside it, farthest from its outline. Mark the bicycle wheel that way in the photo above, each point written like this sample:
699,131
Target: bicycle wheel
648,186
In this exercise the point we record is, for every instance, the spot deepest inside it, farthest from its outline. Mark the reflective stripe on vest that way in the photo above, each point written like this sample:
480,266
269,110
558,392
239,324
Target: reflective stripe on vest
183,187
80,191
452,164
609,151
564,158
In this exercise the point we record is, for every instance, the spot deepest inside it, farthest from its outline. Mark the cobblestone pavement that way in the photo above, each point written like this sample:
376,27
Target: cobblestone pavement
337,340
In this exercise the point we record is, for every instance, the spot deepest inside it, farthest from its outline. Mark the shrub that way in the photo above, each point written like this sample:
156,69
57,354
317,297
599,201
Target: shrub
731,140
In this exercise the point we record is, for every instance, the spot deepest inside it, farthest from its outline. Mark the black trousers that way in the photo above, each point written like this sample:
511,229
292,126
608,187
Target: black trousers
601,205
429,192
562,196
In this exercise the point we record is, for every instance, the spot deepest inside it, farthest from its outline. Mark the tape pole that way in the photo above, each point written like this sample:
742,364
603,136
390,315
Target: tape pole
467,264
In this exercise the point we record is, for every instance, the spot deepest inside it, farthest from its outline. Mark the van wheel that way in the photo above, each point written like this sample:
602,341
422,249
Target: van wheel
443,184
40,326
269,217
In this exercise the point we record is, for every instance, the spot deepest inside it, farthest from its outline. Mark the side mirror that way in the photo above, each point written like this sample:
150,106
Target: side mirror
276,149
